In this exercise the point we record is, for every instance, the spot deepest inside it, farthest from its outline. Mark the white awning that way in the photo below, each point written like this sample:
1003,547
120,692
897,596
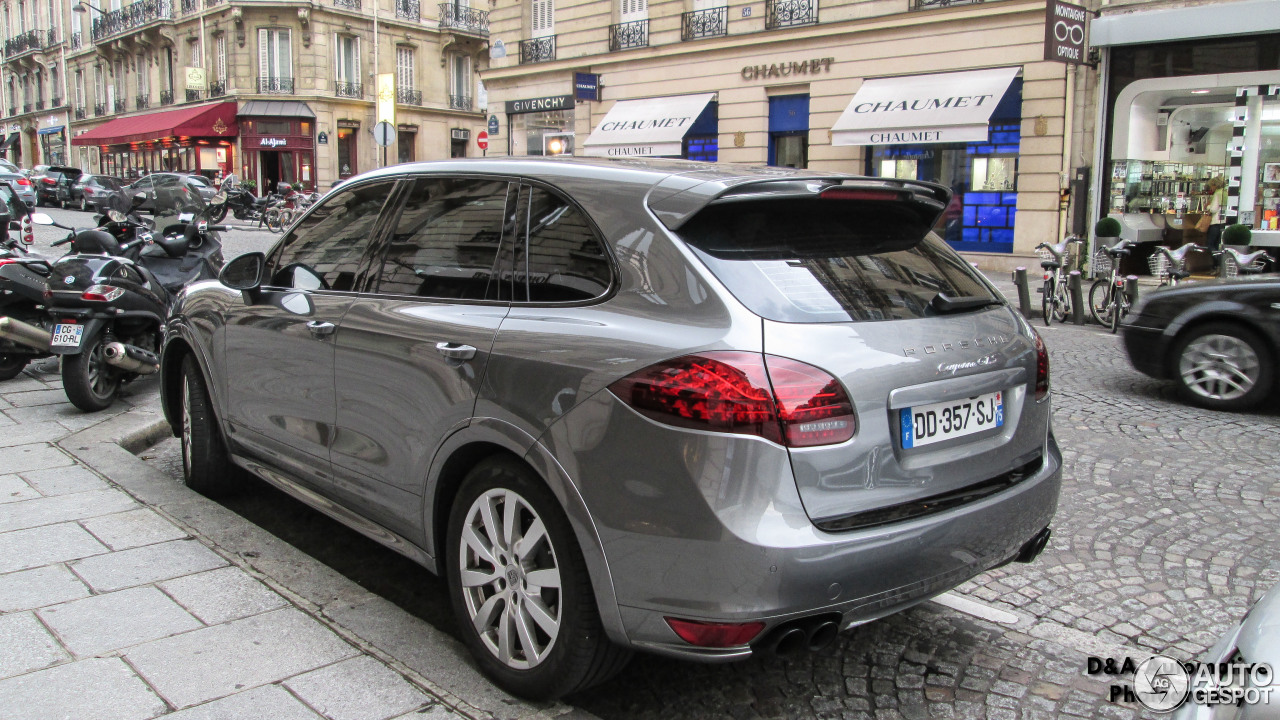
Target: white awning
650,127
916,109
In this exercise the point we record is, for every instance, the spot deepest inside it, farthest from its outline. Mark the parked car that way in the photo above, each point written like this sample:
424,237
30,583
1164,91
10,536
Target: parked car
1247,648
22,185
53,186
6,166
89,189
1218,340
693,409
158,181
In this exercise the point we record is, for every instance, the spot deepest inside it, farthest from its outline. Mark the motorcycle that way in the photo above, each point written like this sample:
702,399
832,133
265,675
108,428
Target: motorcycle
22,283
241,203
109,299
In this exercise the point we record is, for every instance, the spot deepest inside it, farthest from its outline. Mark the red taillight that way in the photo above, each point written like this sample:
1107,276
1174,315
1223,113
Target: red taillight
102,293
23,181
49,181
732,392
1042,368
6,261
715,635
848,193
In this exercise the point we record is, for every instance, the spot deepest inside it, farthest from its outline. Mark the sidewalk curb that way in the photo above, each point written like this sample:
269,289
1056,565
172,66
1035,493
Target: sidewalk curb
108,448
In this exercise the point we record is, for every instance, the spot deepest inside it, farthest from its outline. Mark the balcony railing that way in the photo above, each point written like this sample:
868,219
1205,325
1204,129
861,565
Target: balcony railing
100,109
194,95
81,113
29,40
131,16
275,85
55,102
121,106
348,4
166,97
929,4
26,107
51,37
77,39
790,13
348,89
190,6
212,3
142,102
634,34
408,10
460,102
39,105
538,50
712,22
408,96
217,88
463,18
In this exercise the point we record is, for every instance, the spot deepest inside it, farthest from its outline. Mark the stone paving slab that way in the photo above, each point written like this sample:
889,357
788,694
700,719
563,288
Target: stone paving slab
148,564
35,456
220,595
13,489
37,587
268,701
117,620
64,480
22,549
62,508
92,689
135,528
358,689
26,645
217,661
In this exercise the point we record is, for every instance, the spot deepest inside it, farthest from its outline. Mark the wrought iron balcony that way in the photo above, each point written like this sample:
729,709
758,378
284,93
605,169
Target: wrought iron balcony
537,50
50,37
26,107
55,102
712,22
190,6
790,13
121,106
29,40
166,97
77,39
408,10
99,110
930,4
464,19
348,89
131,16
275,85
194,95
634,34
460,102
217,88
348,4
211,3
39,105
81,113
142,102
408,96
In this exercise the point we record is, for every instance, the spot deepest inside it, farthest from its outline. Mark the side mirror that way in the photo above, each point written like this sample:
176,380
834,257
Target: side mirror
139,198
219,199
15,225
40,218
244,273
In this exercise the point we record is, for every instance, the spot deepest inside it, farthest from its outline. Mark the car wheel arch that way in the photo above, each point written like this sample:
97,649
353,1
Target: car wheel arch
1237,317
176,349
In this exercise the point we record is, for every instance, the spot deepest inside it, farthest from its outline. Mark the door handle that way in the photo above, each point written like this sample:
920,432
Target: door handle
455,352
321,329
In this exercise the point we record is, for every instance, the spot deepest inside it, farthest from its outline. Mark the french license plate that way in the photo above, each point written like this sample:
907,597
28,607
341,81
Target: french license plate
927,424
67,335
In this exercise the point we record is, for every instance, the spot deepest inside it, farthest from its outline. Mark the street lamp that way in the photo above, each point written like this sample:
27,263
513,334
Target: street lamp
82,7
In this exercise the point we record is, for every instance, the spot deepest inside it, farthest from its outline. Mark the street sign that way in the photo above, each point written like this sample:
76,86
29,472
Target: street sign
482,140
493,124
1065,32
384,134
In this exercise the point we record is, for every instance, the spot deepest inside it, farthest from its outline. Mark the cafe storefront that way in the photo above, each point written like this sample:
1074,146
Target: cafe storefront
277,140
198,139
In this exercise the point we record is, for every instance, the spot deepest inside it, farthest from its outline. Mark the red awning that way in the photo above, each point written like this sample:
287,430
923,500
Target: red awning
204,121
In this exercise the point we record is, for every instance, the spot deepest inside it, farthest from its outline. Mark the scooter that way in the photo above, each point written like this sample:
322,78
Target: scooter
109,300
22,310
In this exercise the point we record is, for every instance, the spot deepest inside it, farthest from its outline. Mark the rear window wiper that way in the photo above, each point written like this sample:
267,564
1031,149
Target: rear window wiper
944,303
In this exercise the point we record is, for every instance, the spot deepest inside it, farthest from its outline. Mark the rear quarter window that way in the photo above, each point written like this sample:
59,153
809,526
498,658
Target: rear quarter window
816,260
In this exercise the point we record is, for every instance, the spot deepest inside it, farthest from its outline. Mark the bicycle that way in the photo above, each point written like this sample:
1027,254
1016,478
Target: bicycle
1108,302
1235,262
1170,266
1055,300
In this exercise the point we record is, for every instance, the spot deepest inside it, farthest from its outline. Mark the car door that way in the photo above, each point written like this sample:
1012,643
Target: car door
411,353
142,185
280,348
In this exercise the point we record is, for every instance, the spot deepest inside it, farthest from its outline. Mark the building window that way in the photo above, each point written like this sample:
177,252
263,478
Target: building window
460,82
220,61
404,68
275,61
347,152
347,67
789,131
79,89
544,18
144,76
406,141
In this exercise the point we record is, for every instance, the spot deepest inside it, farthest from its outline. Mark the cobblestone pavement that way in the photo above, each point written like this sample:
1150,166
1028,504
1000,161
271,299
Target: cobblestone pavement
1166,532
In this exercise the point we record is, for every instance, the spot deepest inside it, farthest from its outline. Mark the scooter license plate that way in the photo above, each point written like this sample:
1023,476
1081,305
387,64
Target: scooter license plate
67,335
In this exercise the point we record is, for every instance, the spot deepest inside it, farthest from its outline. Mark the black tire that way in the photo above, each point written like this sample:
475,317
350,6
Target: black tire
1194,372
1098,300
90,383
206,467
218,215
1117,312
83,205
1046,303
11,365
581,655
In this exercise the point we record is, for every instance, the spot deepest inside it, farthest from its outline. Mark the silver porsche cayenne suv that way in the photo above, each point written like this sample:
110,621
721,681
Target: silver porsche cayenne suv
693,409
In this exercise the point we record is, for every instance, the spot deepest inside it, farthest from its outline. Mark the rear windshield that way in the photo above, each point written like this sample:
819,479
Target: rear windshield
815,260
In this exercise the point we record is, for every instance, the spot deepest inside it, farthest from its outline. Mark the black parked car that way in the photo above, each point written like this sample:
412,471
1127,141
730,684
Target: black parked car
198,184
1218,340
53,187
88,190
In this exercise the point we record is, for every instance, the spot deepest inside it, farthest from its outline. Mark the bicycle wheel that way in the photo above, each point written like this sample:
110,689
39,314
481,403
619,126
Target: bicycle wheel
1062,303
271,218
1046,302
1099,300
1119,309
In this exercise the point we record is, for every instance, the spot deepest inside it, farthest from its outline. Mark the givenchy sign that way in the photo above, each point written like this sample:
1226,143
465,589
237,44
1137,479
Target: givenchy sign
542,104
785,69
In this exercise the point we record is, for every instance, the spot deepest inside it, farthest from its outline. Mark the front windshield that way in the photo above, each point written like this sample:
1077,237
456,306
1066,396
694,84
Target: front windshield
175,201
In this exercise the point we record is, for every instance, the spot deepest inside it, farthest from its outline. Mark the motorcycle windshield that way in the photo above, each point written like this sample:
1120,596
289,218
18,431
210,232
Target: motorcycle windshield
177,204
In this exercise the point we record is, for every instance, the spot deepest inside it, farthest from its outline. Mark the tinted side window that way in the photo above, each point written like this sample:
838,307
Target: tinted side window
445,243
330,242
565,261
165,180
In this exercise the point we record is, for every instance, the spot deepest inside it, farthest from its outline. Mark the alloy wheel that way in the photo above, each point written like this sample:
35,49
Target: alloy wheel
510,579
100,377
1219,367
186,425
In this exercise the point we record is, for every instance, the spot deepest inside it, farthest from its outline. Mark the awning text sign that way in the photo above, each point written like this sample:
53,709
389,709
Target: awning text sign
1065,32
653,127
920,109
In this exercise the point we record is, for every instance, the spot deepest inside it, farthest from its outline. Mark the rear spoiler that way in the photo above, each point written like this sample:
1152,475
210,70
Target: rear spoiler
678,198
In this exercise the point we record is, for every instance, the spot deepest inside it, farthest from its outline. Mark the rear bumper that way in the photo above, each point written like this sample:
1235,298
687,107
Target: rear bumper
1146,348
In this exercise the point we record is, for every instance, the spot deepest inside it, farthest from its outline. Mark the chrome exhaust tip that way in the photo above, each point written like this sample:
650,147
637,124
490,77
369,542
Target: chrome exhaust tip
1033,547
130,358
790,642
22,333
823,635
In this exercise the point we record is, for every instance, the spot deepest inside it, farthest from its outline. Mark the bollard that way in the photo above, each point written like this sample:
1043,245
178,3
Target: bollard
1131,289
1077,297
1024,294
